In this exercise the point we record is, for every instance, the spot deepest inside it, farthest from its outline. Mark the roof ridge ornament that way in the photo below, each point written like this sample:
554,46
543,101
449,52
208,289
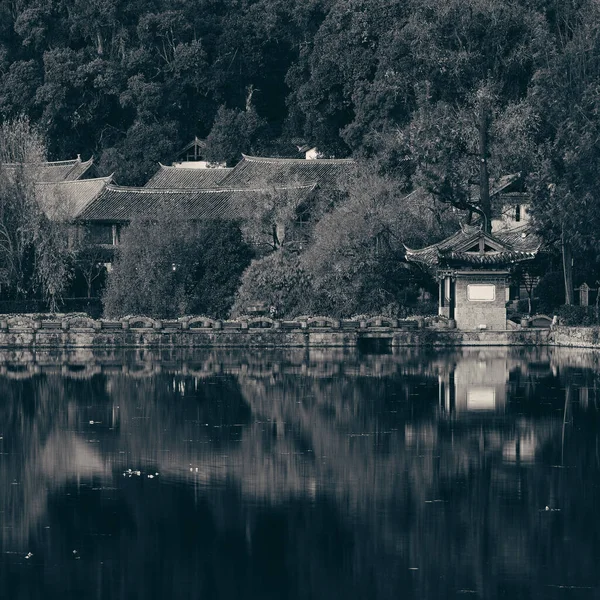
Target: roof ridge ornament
471,229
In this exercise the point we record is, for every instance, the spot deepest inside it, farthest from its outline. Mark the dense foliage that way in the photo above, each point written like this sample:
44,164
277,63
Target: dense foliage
409,85
167,269
36,258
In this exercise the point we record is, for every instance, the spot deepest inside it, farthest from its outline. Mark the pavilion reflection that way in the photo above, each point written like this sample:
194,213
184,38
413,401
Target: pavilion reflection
376,437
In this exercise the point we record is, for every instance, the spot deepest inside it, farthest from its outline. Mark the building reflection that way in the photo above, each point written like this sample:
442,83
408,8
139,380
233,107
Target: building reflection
403,452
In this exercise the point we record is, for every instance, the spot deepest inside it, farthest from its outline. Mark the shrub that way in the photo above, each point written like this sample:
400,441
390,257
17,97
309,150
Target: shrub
275,280
170,268
577,315
549,292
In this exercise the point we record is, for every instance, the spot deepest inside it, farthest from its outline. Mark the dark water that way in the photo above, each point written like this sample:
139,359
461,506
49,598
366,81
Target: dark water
255,474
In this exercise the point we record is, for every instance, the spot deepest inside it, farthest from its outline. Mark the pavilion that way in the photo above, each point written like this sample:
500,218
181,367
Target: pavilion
473,269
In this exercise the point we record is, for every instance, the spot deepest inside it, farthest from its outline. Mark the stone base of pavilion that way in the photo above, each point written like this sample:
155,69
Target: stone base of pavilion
448,338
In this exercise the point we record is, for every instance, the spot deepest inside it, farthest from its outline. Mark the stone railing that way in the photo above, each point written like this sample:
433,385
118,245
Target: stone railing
81,323
80,331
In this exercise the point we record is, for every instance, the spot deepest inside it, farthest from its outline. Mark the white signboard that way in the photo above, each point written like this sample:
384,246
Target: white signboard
481,399
481,292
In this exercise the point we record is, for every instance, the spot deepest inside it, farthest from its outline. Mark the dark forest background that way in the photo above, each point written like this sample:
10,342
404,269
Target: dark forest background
400,85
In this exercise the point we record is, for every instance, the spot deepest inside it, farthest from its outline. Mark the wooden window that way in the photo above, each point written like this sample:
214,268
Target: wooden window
100,234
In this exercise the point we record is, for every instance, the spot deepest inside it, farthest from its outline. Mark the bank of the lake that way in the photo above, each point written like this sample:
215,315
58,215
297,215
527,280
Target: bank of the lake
140,332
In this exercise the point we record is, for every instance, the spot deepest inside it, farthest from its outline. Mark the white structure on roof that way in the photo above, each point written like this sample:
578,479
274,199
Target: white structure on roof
191,156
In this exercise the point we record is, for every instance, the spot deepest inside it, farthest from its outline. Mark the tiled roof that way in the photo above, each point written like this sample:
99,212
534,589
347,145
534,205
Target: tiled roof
499,185
120,204
258,172
519,238
49,172
66,199
512,246
492,258
186,178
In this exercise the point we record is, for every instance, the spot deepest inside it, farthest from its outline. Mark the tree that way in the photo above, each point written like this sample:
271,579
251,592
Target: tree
35,253
234,132
170,268
355,258
277,280
90,262
225,256
564,94
274,215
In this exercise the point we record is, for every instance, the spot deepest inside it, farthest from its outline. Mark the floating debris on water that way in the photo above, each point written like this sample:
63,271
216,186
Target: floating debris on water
571,587
131,473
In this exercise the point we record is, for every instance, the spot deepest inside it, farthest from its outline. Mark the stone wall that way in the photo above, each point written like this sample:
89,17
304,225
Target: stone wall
576,337
168,339
472,314
454,337
139,332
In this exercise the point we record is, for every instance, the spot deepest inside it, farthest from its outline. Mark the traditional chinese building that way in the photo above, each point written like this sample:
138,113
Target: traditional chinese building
473,270
114,207
258,172
52,171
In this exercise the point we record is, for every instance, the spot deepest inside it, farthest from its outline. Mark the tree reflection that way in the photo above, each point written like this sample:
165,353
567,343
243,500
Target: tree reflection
299,474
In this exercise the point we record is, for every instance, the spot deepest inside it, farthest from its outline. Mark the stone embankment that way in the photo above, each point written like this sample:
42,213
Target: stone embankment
77,331
141,332
577,337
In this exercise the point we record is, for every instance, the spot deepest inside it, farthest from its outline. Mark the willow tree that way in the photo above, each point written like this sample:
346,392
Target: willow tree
34,244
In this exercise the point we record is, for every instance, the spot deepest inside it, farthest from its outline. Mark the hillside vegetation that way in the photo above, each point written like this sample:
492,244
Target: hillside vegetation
408,86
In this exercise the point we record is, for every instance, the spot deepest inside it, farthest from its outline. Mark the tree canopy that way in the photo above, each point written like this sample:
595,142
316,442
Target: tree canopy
409,85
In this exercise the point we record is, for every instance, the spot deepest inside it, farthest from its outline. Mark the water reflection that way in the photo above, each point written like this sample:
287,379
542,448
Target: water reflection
299,474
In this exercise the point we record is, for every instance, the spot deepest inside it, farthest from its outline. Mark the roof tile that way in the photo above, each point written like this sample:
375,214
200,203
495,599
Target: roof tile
515,245
258,172
66,199
121,204
187,178
49,172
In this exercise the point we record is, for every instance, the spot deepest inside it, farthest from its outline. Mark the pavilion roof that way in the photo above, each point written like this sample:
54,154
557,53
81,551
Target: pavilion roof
257,172
67,199
118,204
182,177
473,247
50,172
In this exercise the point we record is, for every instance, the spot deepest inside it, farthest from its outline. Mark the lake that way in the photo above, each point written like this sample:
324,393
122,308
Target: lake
300,474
